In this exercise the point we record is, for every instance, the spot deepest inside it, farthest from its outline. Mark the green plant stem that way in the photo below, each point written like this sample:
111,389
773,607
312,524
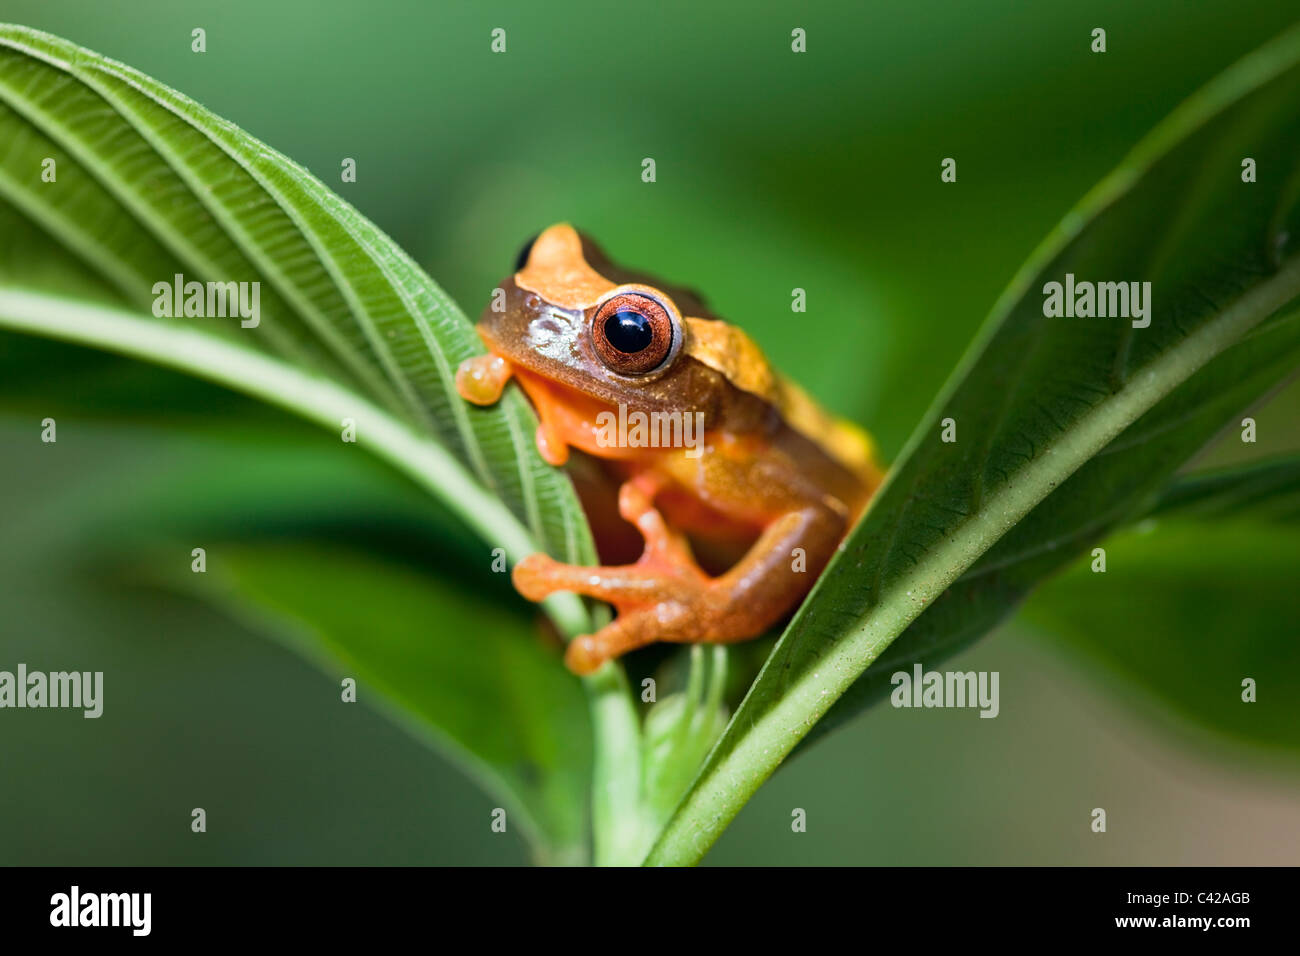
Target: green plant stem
618,833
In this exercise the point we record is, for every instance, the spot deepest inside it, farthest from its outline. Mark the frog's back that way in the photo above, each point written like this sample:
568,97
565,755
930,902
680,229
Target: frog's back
729,350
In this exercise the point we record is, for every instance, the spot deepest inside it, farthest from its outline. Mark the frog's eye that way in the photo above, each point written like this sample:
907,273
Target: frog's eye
521,260
633,333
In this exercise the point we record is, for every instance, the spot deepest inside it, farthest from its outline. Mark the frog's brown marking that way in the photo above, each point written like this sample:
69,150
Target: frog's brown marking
558,270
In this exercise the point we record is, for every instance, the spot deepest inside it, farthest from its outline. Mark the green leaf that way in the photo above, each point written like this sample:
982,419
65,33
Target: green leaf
1186,610
680,729
1037,399
149,185
468,666
443,645
1113,488
1213,562
1262,491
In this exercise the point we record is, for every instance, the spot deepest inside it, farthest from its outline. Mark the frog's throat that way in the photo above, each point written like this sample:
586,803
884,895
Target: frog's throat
552,441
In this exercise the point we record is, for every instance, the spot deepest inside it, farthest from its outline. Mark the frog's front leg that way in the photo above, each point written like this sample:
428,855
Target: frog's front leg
666,564
662,598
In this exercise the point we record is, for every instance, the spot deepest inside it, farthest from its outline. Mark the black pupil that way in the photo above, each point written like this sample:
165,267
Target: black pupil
628,331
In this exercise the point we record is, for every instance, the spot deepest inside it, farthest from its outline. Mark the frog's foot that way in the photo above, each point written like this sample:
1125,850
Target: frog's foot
654,600
587,653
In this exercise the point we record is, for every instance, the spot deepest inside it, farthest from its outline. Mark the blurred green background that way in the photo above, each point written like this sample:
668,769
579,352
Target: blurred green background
774,171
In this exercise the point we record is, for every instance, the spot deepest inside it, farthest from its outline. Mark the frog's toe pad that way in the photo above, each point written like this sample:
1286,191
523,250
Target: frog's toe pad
534,577
482,378
584,655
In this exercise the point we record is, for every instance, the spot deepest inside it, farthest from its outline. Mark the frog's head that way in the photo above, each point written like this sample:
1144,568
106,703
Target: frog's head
570,316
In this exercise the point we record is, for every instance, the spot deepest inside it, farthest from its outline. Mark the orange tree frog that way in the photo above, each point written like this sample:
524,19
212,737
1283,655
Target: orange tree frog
713,453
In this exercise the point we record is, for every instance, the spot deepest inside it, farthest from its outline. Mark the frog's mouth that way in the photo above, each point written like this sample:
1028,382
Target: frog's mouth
567,417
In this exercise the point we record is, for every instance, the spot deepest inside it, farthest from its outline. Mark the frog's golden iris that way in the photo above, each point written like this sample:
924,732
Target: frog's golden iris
732,538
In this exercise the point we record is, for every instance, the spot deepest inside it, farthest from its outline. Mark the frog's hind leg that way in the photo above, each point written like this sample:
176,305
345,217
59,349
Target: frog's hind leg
739,605
665,596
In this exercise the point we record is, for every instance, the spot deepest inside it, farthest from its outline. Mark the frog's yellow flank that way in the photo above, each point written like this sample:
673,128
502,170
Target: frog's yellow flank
754,464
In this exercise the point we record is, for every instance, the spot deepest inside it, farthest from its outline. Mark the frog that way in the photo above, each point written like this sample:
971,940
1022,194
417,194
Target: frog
767,484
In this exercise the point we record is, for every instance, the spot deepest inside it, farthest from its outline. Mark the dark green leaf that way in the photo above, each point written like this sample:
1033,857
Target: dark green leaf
477,676
1267,490
1036,399
1110,489
1185,611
